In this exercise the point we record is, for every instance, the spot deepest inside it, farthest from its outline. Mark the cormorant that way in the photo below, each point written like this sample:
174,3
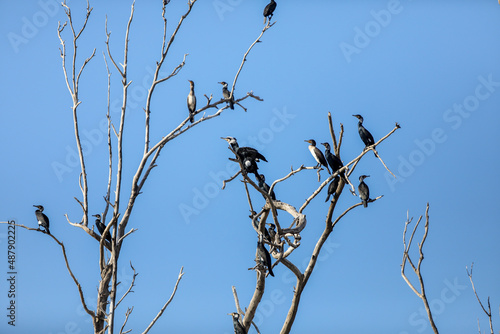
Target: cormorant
264,255
365,135
191,102
227,94
247,155
316,153
265,187
238,327
364,192
332,187
101,227
269,10
272,232
43,220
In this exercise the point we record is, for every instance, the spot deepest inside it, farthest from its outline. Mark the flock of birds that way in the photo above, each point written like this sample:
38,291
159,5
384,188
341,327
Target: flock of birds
249,157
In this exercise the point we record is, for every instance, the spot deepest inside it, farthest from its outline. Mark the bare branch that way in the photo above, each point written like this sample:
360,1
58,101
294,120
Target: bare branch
129,310
132,284
406,257
488,313
166,304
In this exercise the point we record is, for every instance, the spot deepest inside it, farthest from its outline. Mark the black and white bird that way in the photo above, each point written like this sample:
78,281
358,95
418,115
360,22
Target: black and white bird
269,10
247,155
238,327
43,220
191,101
364,191
101,227
271,231
365,135
316,153
332,187
227,94
264,255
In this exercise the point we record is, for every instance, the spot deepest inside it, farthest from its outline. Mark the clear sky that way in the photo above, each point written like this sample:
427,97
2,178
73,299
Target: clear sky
433,68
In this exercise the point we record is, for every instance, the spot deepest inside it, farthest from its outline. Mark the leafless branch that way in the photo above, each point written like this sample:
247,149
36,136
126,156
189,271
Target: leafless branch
181,273
406,257
488,313
132,284
129,310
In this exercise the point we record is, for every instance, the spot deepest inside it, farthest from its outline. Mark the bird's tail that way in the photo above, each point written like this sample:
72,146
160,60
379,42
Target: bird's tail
327,198
270,271
365,204
47,230
191,118
231,103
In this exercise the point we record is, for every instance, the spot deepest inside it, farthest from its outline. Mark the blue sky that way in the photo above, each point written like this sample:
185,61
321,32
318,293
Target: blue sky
433,68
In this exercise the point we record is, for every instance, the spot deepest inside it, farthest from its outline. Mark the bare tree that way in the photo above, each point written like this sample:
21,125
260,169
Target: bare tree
416,269
488,313
287,239
115,215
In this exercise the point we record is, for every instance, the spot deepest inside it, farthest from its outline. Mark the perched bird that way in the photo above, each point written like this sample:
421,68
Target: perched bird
238,327
271,232
227,94
264,255
332,187
365,135
191,102
247,155
364,191
269,10
316,153
265,187
101,227
334,161
43,220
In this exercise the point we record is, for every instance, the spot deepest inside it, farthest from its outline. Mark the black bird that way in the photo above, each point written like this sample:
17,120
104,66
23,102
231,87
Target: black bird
269,10
43,220
238,327
364,191
316,153
265,187
264,255
365,135
332,187
247,155
101,227
272,232
191,102
227,94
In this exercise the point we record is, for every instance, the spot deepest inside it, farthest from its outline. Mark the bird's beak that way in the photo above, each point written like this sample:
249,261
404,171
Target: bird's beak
225,138
219,82
307,141
367,175
36,206
94,215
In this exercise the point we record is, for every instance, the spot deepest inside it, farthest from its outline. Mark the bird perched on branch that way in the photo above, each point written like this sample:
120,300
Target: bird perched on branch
265,187
238,327
365,135
364,191
332,187
227,94
271,231
269,10
316,153
334,161
264,255
247,155
101,227
43,220
191,101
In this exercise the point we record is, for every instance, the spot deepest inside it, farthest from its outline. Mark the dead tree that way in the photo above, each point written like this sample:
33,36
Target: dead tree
115,214
287,239
416,269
